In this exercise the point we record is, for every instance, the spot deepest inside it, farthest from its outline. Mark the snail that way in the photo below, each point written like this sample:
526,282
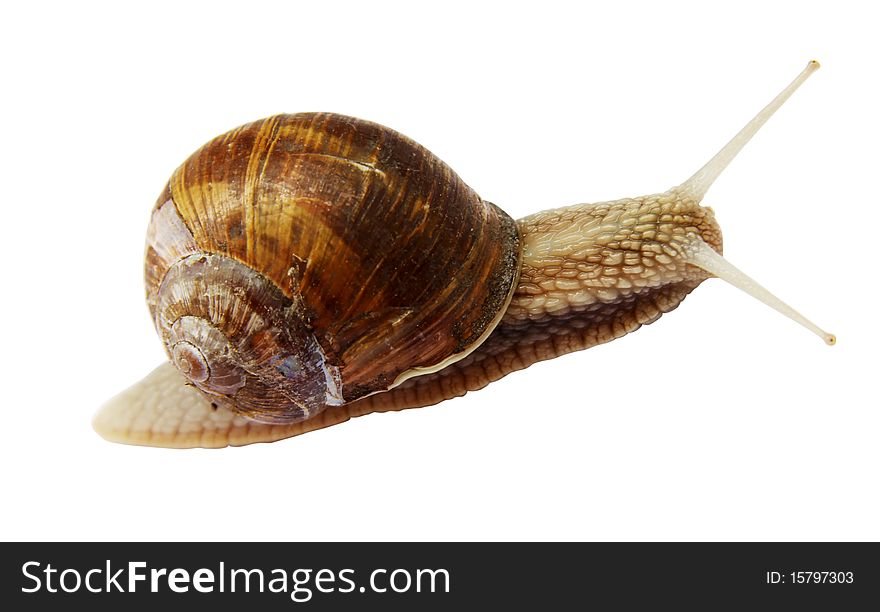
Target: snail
308,268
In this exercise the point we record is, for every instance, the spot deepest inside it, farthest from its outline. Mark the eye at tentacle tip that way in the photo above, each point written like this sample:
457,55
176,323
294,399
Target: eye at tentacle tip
699,254
698,184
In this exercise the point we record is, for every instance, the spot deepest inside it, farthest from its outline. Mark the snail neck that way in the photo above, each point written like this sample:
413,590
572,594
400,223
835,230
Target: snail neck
583,261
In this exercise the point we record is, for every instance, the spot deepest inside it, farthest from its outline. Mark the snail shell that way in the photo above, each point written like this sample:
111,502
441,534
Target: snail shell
308,260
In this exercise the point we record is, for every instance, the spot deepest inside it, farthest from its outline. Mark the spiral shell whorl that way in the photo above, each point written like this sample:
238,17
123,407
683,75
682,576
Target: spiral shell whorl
241,341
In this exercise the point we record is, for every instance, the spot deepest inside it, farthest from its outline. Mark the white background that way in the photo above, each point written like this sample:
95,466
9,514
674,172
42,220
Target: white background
721,421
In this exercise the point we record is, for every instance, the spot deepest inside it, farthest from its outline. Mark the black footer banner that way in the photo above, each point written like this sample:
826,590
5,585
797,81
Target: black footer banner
436,576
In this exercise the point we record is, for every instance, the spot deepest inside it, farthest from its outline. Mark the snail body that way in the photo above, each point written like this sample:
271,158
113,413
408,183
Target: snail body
304,269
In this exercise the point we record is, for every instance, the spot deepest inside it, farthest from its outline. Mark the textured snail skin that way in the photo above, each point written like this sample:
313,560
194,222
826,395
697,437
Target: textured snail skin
163,410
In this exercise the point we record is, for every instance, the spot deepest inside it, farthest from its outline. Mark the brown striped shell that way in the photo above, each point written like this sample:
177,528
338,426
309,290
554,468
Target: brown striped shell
309,260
